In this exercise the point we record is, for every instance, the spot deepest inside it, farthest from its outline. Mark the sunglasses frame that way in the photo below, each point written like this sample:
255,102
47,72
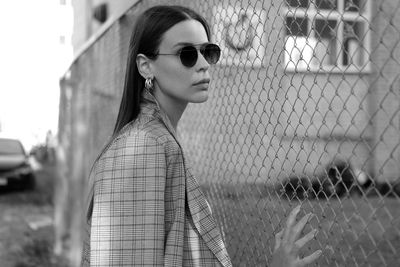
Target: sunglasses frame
199,48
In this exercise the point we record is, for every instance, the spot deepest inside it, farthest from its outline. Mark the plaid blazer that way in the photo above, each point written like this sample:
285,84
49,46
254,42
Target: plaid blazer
145,208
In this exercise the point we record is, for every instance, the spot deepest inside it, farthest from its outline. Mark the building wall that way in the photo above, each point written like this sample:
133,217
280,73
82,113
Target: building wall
262,123
84,23
66,17
116,7
80,28
385,84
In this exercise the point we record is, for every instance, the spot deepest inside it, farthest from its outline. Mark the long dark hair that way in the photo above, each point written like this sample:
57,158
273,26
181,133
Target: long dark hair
146,38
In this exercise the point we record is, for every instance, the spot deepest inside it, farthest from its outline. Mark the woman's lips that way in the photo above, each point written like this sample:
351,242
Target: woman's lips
204,81
203,84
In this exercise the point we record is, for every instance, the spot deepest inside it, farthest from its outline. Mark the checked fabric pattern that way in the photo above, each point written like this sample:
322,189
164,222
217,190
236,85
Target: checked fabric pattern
145,208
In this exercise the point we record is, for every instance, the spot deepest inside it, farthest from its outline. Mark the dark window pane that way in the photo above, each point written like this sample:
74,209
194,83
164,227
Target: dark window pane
326,48
353,29
297,3
353,36
325,28
326,4
354,5
296,26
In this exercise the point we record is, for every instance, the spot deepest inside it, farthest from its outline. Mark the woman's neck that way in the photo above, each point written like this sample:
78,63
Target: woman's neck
171,106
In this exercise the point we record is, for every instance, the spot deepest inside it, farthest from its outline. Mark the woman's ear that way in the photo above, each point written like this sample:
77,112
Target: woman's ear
144,66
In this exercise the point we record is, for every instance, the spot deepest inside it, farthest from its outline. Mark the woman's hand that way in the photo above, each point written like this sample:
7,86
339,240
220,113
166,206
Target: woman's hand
288,243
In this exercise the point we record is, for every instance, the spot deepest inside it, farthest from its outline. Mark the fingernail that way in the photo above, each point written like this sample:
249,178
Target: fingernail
297,209
315,232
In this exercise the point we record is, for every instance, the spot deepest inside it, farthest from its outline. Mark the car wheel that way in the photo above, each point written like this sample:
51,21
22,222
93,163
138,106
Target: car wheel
30,182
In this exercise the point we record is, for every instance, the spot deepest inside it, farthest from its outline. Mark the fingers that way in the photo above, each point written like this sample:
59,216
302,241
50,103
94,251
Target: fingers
304,240
310,259
298,228
278,240
289,241
289,223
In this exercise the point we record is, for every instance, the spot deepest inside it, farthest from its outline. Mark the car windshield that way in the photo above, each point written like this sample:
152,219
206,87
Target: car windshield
10,147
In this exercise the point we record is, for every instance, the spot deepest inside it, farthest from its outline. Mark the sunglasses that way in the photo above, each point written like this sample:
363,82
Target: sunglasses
188,54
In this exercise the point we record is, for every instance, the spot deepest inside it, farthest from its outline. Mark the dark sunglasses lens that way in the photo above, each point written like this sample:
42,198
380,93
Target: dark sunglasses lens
188,56
211,53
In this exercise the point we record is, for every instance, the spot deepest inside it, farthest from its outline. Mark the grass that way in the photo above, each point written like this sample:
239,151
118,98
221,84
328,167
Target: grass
353,231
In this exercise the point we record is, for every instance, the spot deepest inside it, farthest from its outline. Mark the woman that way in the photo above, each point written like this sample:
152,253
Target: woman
145,207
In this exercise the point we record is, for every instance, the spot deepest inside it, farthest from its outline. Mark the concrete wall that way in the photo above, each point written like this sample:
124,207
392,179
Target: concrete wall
264,123
85,26
385,84
80,29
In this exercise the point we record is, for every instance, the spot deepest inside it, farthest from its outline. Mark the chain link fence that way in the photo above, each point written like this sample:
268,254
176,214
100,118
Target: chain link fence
304,107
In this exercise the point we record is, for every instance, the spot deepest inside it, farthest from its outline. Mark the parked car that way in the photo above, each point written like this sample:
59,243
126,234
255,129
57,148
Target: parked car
15,169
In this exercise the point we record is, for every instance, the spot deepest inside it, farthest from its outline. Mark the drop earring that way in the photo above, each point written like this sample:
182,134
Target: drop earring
149,83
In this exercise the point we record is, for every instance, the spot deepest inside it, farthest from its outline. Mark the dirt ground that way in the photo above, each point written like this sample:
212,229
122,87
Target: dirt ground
26,224
360,231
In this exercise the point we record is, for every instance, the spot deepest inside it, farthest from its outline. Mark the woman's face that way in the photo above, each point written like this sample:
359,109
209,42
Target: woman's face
172,79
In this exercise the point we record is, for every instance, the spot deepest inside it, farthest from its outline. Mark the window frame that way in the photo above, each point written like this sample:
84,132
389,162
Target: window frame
311,14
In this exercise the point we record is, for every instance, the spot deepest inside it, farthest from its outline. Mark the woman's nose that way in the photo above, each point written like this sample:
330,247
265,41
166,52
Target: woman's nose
202,64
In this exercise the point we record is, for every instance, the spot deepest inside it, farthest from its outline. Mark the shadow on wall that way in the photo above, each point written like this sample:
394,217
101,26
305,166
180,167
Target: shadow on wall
340,180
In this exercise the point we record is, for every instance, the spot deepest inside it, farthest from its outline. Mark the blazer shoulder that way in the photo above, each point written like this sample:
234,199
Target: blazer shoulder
144,129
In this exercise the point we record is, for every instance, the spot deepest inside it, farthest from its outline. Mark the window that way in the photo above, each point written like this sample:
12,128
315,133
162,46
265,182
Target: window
62,39
326,35
11,147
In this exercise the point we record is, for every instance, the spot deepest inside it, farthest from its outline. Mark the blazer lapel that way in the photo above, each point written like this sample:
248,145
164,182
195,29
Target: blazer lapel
199,209
203,220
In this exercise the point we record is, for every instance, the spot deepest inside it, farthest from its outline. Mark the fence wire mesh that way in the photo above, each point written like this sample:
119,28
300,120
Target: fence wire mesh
303,107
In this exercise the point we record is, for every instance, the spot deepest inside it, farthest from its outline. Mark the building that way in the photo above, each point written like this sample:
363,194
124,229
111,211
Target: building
66,17
90,15
312,82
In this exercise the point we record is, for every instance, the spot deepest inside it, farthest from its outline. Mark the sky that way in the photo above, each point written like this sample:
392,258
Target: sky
32,60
